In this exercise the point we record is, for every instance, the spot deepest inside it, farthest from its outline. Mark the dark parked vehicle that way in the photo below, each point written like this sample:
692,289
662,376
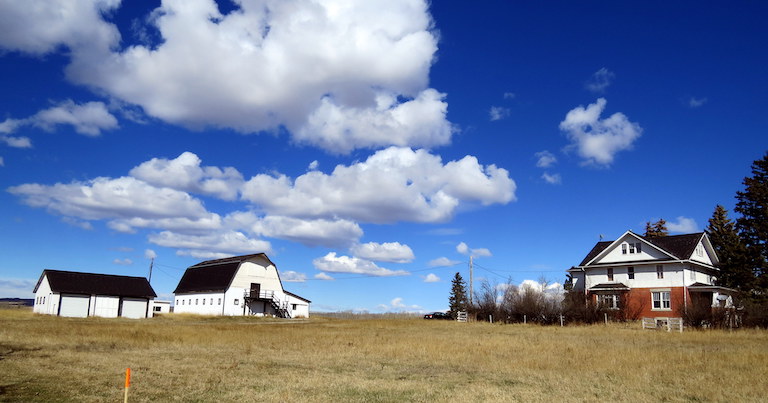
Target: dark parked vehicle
438,315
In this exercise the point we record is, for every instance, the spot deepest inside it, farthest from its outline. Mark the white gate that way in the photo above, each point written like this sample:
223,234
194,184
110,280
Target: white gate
75,306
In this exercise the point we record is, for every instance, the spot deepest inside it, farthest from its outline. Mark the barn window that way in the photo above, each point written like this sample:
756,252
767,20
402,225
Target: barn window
211,301
157,309
219,301
196,301
43,300
182,302
293,306
203,301
237,301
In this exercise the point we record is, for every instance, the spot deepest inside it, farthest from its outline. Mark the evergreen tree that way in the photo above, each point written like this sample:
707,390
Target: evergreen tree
753,224
735,262
659,228
458,300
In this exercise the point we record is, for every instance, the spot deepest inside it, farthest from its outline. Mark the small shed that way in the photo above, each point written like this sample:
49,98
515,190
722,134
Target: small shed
75,294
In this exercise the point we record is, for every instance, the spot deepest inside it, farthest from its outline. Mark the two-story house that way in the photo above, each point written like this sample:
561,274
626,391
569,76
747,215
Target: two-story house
654,277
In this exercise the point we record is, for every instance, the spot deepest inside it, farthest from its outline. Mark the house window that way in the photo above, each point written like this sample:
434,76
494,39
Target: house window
237,301
156,309
219,301
638,248
610,301
623,249
699,251
659,271
631,273
660,299
610,274
631,248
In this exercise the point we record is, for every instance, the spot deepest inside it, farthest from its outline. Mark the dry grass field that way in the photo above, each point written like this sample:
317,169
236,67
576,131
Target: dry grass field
200,359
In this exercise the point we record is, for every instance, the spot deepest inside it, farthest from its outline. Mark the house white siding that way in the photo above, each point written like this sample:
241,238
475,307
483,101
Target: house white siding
299,307
626,251
46,302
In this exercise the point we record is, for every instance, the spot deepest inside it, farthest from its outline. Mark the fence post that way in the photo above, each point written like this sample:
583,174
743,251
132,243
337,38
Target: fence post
525,319
606,319
491,317
561,320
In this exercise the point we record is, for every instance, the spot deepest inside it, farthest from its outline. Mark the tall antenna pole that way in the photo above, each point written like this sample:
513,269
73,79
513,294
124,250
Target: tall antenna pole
151,263
471,280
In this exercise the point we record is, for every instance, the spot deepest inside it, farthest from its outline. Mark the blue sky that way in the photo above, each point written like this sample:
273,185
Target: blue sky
368,148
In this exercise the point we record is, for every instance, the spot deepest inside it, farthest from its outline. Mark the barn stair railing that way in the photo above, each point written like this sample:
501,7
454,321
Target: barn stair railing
280,307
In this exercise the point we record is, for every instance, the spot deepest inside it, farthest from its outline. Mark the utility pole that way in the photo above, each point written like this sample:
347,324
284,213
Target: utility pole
151,263
471,280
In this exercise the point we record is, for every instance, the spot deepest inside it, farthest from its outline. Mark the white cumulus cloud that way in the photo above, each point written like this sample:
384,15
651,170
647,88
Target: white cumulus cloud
345,264
599,140
431,278
552,179
442,262
291,276
339,75
394,184
393,252
545,159
464,249
683,225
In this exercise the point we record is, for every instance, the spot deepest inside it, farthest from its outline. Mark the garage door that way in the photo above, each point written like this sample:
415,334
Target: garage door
75,306
134,308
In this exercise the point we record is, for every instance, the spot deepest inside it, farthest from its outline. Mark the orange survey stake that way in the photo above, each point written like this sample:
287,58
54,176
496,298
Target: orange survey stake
127,377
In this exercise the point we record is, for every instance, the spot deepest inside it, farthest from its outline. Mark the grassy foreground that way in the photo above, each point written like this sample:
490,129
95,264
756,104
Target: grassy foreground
190,358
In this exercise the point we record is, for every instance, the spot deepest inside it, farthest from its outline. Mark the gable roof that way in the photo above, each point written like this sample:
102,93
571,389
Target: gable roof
71,282
294,295
679,247
213,275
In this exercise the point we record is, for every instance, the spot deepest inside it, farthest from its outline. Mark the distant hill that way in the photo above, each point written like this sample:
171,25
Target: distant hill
9,302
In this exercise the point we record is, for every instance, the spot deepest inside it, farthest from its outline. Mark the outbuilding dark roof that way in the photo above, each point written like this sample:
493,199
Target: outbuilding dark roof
71,282
679,246
213,275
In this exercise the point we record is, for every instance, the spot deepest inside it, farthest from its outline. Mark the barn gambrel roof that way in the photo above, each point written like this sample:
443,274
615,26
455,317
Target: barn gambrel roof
70,282
214,275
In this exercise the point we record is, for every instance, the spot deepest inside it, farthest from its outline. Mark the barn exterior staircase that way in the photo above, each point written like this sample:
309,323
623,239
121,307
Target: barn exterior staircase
281,307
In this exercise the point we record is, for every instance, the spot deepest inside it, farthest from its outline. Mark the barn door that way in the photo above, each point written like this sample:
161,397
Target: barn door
255,290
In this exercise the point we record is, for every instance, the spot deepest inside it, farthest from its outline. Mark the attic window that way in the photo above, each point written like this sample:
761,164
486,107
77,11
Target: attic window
699,251
634,247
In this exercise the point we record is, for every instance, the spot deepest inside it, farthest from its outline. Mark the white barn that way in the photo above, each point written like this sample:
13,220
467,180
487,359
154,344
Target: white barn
74,294
237,286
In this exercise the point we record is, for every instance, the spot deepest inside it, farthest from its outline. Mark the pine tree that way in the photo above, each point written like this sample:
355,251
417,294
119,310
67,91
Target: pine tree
753,224
659,228
458,300
735,262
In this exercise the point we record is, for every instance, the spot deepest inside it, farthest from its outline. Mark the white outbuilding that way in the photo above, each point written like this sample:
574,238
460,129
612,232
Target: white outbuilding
237,286
74,294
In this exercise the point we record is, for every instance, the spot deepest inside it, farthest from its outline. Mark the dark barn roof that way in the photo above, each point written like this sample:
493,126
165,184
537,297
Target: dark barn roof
213,275
70,282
